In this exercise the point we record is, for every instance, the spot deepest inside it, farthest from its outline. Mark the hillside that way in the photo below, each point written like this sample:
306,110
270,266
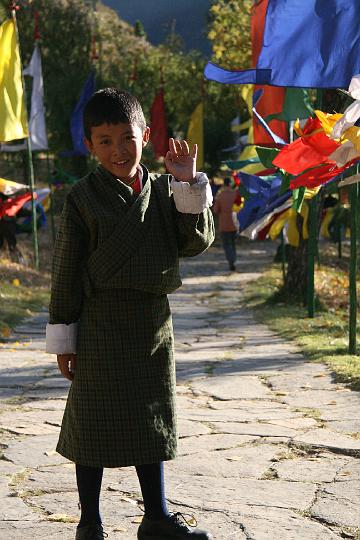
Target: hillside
190,18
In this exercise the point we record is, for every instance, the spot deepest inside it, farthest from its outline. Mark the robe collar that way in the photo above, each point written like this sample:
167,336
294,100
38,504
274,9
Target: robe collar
114,186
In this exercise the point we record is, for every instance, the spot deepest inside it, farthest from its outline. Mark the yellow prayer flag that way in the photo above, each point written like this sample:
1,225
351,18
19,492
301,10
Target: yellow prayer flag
195,134
249,151
13,124
328,120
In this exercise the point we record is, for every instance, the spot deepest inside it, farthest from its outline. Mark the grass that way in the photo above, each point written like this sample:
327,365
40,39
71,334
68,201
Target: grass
23,290
321,339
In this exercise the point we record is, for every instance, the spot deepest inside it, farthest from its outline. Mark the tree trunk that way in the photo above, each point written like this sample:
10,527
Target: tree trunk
296,279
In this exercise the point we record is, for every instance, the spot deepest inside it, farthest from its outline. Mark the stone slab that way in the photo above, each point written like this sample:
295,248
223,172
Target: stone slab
243,462
44,530
34,422
338,504
263,523
235,387
258,429
319,469
187,428
205,443
34,451
207,493
324,438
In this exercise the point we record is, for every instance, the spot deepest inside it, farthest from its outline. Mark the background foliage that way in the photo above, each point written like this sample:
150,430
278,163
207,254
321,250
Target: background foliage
127,60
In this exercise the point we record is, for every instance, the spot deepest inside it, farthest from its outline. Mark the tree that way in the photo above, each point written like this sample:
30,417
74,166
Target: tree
139,29
230,33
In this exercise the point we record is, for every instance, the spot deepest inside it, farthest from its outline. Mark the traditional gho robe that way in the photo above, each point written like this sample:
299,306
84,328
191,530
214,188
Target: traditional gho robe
116,258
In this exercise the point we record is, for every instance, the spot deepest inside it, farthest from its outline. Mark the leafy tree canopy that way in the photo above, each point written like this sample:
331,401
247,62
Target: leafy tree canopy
230,33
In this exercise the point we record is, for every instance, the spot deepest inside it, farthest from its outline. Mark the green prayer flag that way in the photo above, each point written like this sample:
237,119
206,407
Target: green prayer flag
298,197
239,164
267,155
296,105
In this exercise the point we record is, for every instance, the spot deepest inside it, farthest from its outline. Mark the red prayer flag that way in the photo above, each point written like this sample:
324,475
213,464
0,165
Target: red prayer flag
13,204
158,126
311,149
272,100
318,176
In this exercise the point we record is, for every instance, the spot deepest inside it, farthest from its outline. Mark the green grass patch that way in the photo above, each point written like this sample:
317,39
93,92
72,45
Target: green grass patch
323,338
23,292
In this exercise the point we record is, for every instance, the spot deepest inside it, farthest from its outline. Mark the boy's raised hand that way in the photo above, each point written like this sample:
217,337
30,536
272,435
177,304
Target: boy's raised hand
180,162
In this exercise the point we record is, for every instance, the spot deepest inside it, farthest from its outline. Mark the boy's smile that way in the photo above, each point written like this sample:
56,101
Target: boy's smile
118,147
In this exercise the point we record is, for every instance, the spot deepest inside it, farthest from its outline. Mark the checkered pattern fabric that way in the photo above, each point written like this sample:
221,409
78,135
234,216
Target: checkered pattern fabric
116,259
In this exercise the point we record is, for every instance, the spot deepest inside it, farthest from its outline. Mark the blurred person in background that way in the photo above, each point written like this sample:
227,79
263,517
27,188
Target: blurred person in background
225,200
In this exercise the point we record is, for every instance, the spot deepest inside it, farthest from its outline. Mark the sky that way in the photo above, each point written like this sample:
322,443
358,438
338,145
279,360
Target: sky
157,16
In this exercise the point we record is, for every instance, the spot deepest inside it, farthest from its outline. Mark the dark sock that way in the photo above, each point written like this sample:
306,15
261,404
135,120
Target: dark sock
89,486
151,478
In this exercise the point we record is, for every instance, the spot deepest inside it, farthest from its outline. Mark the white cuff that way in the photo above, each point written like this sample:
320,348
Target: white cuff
192,198
61,338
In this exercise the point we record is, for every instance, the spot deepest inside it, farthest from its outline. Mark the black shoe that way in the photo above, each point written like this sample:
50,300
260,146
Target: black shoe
232,267
94,531
173,527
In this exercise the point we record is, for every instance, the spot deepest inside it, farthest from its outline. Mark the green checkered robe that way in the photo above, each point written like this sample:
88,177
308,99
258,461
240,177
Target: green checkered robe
116,259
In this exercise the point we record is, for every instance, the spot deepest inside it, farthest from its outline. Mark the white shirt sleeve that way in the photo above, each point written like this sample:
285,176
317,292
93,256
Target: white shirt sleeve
61,338
192,198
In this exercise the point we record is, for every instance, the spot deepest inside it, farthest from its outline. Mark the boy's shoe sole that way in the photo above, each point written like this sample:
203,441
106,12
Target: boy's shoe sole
169,528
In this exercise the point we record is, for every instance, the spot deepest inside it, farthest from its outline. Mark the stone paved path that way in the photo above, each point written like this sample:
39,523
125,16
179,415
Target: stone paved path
269,444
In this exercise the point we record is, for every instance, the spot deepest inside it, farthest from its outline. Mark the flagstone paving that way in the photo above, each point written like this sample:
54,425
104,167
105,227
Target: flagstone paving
269,443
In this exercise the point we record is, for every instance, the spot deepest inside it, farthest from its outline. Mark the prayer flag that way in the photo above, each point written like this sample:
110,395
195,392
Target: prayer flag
311,149
9,188
272,99
37,125
13,124
76,123
158,126
195,134
306,44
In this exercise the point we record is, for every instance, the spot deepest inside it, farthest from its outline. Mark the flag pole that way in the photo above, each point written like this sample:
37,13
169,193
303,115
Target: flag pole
14,7
353,266
311,256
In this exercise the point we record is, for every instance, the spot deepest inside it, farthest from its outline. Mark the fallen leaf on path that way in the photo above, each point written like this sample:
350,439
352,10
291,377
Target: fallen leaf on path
234,458
281,393
331,403
50,453
119,529
5,332
127,499
63,518
137,519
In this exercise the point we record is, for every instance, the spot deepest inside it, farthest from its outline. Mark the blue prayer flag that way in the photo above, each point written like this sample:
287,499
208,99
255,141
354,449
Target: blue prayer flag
77,128
306,44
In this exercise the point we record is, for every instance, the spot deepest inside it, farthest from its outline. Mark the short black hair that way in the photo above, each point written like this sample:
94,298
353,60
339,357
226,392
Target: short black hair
112,106
227,181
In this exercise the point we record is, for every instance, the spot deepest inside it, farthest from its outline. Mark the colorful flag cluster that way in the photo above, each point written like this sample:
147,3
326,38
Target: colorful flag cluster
311,44
326,149
37,126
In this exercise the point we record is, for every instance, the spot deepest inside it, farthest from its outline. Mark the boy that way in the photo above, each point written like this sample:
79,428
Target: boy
115,261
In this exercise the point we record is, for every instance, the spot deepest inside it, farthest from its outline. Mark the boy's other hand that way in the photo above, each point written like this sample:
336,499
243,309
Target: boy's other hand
180,162
67,364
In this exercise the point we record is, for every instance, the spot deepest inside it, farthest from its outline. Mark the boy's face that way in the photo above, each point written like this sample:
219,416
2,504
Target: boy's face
118,147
